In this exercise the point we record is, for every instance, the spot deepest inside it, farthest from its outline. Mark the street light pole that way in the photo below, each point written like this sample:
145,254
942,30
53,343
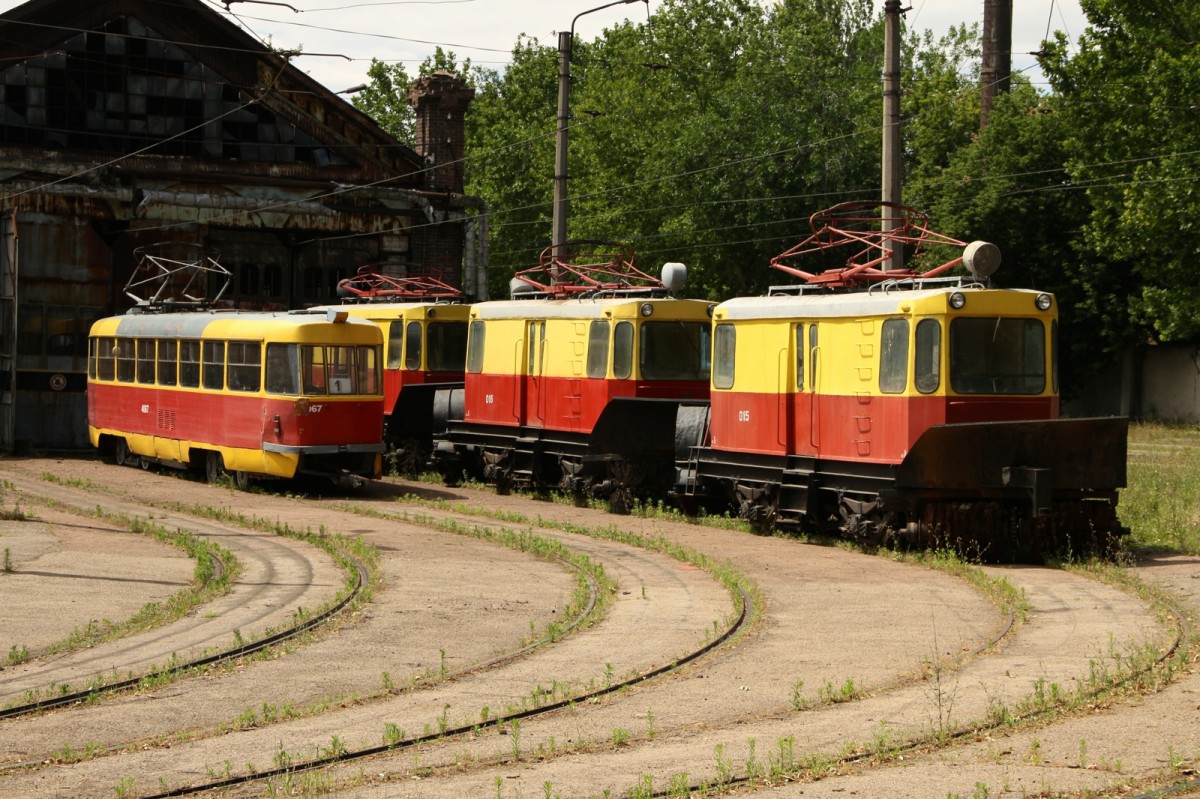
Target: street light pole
561,202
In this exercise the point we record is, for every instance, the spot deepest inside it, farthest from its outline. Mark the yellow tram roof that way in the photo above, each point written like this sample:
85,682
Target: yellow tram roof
877,303
590,308
254,325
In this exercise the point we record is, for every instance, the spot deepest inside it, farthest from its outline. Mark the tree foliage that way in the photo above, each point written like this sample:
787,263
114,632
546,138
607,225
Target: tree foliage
709,133
1134,145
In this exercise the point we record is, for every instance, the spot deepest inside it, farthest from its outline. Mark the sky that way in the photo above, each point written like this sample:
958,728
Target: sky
338,38
485,30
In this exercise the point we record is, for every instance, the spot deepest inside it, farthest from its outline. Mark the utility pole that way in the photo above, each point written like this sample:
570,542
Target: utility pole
561,203
558,233
995,71
892,152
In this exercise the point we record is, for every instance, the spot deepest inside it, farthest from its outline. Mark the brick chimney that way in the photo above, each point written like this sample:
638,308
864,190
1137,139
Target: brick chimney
441,100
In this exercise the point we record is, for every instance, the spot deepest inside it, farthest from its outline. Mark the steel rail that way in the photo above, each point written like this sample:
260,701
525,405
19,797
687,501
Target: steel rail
744,613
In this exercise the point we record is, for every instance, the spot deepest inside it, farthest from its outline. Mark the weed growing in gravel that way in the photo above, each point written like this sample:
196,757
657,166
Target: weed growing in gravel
846,692
724,765
514,732
125,787
8,561
17,655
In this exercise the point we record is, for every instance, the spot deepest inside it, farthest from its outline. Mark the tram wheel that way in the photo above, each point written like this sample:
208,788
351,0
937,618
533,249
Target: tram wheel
242,479
121,454
145,463
214,467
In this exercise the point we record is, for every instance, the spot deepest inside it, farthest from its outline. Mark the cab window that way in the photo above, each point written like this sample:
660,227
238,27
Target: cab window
893,356
927,363
724,347
597,352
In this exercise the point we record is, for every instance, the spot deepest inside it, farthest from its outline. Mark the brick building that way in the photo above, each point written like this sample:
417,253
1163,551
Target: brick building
129,124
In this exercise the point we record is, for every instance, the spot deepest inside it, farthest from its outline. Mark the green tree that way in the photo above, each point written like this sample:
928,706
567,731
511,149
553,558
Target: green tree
1134,146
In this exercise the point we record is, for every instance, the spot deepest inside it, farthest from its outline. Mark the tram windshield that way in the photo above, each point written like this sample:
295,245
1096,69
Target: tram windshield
318,370
997,355
675,351
447,346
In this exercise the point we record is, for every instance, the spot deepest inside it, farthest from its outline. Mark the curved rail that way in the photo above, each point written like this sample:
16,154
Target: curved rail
224,655
746,606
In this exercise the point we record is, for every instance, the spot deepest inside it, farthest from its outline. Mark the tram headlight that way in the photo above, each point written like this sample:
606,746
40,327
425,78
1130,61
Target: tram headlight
1043,302
958,300
647,309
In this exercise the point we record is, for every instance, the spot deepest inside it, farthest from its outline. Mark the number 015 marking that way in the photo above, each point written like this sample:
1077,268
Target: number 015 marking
743,416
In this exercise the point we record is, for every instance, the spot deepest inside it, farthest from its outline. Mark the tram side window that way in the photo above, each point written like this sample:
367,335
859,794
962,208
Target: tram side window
537,347
395,344
812,355
244,372
412,346
447,350
597,352
475,348
367,362
893,356
106,349
283,369
145,360
313,370
927,363
623,351
168,361
800,357
189,364
724,349
126,361
212,365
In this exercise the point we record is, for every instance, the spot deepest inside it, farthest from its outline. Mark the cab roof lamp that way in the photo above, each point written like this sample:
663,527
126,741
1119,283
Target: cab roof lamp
1044,301
982,259
674,276
958,300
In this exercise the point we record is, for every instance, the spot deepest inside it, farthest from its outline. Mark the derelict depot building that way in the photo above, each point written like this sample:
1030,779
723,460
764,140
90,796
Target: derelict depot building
119,132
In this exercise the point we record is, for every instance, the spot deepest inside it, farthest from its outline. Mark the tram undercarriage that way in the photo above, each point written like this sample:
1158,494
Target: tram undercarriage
1001,492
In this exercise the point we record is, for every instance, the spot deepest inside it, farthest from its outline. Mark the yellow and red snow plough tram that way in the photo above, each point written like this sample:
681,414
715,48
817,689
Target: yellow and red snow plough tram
575,382
424,324
891,406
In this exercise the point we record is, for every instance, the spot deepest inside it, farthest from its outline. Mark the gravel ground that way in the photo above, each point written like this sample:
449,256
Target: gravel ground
917,651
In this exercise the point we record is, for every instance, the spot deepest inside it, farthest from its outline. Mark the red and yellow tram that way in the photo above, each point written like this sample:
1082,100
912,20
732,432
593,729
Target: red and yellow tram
424,326
252,394
895,405
575,383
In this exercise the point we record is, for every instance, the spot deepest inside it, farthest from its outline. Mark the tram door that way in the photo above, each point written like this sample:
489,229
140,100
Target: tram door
533,399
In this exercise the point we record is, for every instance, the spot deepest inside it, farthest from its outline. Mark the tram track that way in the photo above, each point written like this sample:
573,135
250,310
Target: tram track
438,751
280,575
